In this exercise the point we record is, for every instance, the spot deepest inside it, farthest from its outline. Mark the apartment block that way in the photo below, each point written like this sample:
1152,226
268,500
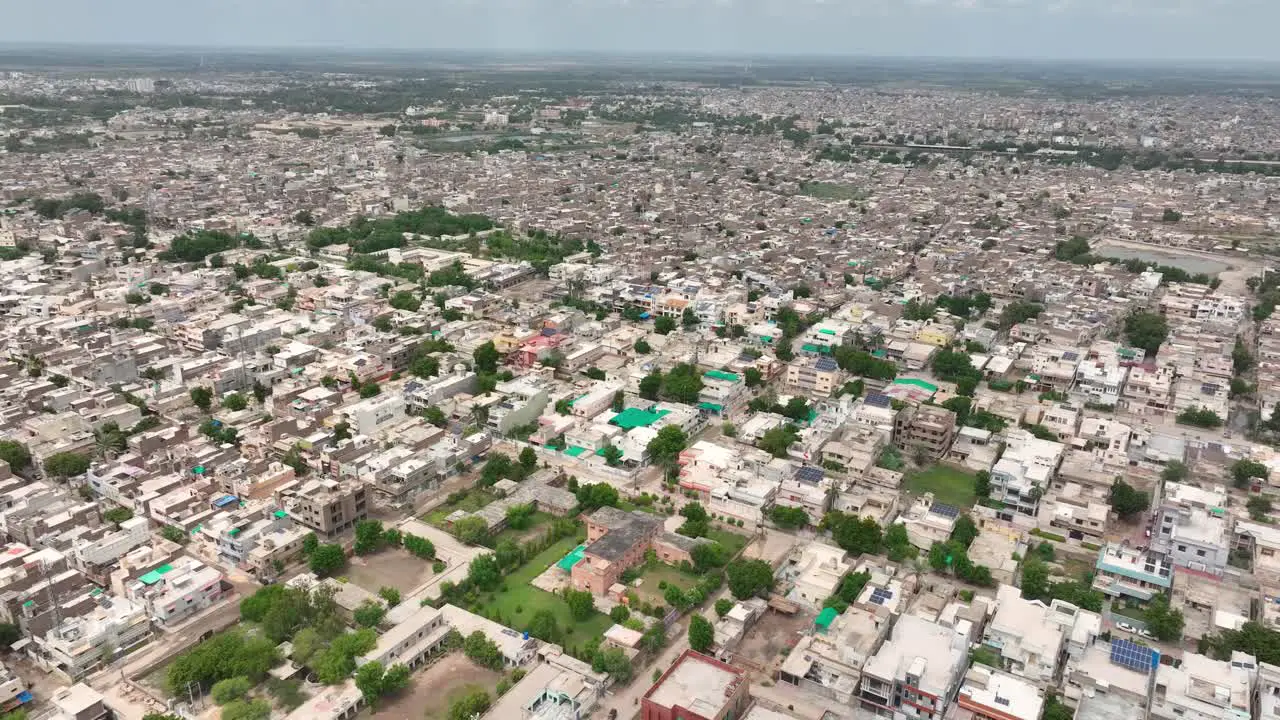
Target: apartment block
327,507
925,428
917,671
816,376
81,644
175,591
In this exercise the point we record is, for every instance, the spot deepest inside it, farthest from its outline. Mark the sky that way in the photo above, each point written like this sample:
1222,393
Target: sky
1054,29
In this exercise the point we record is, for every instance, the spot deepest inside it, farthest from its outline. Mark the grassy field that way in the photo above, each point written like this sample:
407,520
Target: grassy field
520,600
535,528
471,502
651,588
948,485
732,540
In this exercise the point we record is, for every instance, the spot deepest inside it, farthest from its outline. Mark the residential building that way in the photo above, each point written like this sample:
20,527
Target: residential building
327,507
1205,689
80,644
1125,572
814,375
988,694
917,670
925,428
809,489
928,521
175,591
1025,634
525,398
1024,472
697,687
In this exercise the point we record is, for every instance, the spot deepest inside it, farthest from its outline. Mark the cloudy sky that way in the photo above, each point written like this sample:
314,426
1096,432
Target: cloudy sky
1074,29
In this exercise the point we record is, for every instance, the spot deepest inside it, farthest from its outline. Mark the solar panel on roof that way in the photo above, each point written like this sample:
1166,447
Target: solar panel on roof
1129,654
825,364
878,400
809,473
949,511
1070,355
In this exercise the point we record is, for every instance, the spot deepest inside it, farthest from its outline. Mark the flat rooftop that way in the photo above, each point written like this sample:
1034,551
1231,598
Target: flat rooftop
697,683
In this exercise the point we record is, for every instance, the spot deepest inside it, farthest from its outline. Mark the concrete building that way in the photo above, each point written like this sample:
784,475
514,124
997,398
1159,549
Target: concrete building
94,554
327,507
175,591
1205,689
1025,634
814,375
697,687
411,641
988,694
525,399
916,671
616,540
1024,472
926,428
1125,572
80,644
809,489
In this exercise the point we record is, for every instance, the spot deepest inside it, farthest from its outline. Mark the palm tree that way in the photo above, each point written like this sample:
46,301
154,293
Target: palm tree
108,441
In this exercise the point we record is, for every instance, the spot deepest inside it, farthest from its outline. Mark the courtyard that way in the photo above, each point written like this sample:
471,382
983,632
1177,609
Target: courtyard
431,691
395,567
948,485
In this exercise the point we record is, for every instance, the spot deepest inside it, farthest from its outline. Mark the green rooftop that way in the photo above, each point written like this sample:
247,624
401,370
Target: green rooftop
721,375
632,418
568,561
280,514
915,382
825,618
574,451
710,406
154,576
827,331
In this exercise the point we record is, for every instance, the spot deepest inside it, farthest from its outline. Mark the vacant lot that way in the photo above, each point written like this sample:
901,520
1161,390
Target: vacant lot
471,501
773,635
948,485
657,576
431,691
517,604
731,540
396,568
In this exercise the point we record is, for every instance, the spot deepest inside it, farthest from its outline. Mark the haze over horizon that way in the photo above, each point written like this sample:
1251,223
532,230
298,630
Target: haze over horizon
1030,29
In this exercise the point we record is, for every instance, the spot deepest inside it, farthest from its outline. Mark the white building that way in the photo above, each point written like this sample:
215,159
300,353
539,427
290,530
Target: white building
174,592
1205,689
80,644
1024,472
106,550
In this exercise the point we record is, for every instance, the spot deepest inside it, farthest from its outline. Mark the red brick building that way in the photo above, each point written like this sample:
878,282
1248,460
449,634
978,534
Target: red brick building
617,540
697,687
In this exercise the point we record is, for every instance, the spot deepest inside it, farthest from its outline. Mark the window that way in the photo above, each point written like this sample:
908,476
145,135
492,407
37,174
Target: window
1200,553
1182,548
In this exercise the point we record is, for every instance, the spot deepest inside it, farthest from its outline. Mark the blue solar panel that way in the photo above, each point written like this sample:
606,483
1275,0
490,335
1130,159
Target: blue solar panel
948,511
1070,355
878,400
1139,658
809,474
825,364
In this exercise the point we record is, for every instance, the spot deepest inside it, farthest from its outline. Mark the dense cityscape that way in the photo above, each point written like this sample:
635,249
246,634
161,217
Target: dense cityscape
556,389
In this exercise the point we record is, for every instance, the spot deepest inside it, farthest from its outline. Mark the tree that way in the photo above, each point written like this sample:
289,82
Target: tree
117,515
723,606
482,651
15,454
173,534
664,325
543,626
327,559
788,518
225,655
369,614
369,389
642,347
528,459
777,440
1175,471
748,578
235,402
470,706
419,546
202,397
519,517
484,572
708,556
858,535
486,358
369,537
390,594
225,691
471,530
1146,330
369,681
612,455
701,634
1244,470
1127,501
1163,622
304,217
1035,579
65,465
425,366
582,604
964,531
619,614
665,448
982,483
614,662
256,709
1199,417
651,385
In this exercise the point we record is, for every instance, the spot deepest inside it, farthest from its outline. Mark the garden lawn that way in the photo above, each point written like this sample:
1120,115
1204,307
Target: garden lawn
731,540
536,524
474,500
948,485
521,594
659,573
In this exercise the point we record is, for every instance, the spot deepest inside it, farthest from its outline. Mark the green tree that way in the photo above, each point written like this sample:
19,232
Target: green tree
202,397
1035,579
117,515
15,454
528,459
1243,471
1175,471
664,325
482,651
369,614
964,531
471,530
1163,622
235,402
1127,501
225,691
469,706
405,300
369,389
327,559
788,518
1146,330
582,604
370,537
753,377
723,606
614,662
748,578
66,465
642,347
777,440
256,709
701,634
665,447
486,358
484,572
543,626
651,385
619,614
425,366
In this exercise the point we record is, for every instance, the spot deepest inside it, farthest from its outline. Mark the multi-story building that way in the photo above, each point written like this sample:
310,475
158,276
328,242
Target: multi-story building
1100,381
993,695
371,416
817,376
616,540
327,507
1192,528
13,690
1148,391
926,428
809,489
1122,571
79,644
525,399
175,591
1205,689
1023,632
95,554
412,641
697,687
917,670
1022,475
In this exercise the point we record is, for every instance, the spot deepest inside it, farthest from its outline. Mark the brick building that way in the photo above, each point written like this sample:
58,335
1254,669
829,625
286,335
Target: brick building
697,687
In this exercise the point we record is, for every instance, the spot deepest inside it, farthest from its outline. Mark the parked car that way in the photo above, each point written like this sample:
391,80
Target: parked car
1126,627
1146,634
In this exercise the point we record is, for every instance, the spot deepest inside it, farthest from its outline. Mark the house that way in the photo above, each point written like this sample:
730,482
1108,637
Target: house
1125,572
994,695
928,522
917,670
616,540
816,573
1024,472
697,687
830,662
1205,689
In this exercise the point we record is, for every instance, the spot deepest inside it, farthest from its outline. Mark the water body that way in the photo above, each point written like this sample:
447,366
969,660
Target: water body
1191,262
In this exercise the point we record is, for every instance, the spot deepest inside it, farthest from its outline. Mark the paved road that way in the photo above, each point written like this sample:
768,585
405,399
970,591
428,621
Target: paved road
627,700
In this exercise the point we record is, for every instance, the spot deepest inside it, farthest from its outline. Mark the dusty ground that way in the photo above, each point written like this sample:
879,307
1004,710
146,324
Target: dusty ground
395,568
553,580
431,690
772,636
772,547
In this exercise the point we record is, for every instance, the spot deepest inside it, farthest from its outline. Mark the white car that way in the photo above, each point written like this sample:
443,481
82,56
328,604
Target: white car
1146,634
1126,627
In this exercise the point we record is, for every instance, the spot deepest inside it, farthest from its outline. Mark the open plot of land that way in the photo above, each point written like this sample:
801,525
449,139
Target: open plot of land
536,527
517,604
658,574
948,485
472,501
397,568
731,540
773,635
431,691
